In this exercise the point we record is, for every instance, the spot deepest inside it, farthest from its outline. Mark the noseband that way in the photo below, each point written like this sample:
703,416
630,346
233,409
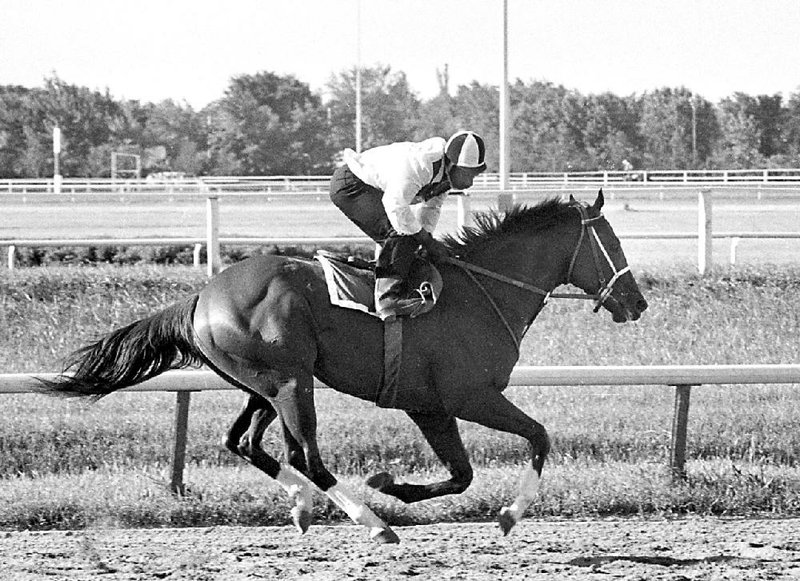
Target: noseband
605,285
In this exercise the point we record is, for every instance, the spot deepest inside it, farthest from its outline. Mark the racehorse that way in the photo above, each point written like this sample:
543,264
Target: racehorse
266,325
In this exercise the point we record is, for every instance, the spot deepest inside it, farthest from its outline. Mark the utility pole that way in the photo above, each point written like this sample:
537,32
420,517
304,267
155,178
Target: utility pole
505,106
694,133
358,76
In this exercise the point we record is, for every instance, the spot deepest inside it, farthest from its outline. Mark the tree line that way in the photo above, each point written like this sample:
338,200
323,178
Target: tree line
270,124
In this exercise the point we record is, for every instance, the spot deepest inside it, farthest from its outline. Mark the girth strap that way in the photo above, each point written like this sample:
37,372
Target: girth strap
392,359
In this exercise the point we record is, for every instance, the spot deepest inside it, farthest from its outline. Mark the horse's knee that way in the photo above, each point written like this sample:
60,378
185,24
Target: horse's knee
319,475
241,444
233,440
462,479
231,443
297,460
540,447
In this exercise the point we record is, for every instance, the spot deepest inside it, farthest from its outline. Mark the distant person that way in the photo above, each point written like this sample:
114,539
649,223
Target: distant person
394,194
630,175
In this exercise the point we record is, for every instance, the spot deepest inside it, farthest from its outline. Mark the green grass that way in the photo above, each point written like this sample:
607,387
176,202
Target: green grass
243,496
67,464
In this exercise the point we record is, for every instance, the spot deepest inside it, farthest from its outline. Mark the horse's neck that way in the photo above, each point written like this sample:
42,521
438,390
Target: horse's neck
541,261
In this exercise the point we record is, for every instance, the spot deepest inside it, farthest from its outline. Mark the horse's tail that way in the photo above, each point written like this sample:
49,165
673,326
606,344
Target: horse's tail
130,355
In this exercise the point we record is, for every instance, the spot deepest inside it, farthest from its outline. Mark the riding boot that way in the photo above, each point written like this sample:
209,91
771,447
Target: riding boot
392,295
391,299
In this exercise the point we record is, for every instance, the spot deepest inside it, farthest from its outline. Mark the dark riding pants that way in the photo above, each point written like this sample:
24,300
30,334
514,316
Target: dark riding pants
362,204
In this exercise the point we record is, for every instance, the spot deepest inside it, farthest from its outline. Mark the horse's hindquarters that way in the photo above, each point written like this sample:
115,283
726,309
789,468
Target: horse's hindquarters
250,322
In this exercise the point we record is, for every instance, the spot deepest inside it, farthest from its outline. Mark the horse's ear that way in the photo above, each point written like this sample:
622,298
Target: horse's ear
598,203
571,199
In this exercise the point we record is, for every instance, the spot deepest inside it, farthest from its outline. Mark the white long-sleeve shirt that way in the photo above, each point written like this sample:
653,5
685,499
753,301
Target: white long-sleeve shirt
400,171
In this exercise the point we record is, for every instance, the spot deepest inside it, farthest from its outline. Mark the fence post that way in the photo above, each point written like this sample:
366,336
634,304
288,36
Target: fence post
198,248
505,200
734,243
12,251
179,444
677,460
464,211
704,232
212,235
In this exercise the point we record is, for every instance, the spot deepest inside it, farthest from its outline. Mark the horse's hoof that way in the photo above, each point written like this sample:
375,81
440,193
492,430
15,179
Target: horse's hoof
506,520
301,519
385,536
380,481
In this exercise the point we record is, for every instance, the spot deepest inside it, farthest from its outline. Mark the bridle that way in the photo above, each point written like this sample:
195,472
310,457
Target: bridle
606,286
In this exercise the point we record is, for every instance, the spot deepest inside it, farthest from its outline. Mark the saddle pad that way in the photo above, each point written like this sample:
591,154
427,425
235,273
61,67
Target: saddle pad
348,286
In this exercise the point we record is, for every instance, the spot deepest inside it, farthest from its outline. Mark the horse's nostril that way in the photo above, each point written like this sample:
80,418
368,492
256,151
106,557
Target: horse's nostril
641,305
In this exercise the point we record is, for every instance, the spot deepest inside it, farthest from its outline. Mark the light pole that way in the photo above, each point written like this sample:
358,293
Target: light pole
358,76
694,133
505,137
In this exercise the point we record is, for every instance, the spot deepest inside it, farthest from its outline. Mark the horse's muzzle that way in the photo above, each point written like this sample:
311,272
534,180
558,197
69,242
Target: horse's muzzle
623,310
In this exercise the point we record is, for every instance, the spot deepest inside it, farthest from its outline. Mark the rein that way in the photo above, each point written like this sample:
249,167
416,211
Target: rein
606,286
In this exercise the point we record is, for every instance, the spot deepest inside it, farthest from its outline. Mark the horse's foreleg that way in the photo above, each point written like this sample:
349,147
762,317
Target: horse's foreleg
496,412
295,404
441,432
244,439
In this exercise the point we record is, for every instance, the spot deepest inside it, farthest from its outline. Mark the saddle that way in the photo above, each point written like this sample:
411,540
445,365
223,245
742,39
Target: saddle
351,285
351,282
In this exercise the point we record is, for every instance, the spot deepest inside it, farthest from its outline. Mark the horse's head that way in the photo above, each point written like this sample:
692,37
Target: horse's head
599,266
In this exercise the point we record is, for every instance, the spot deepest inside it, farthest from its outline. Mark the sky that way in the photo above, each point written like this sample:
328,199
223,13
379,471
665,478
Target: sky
188,51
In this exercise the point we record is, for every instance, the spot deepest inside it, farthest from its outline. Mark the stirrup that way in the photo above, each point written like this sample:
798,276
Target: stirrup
410,307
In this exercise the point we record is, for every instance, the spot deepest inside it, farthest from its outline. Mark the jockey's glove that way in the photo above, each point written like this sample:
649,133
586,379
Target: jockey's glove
435,249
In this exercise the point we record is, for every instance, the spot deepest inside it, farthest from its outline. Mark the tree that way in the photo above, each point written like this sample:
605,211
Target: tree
738,145
180,132
610,132
678,129
88,120
547,132
790,131
21,153
268,125
389,109
768,113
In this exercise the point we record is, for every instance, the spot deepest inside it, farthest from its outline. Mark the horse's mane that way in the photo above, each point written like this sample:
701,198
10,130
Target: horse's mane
493,225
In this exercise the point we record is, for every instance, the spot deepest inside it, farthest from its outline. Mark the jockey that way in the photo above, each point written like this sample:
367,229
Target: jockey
394,194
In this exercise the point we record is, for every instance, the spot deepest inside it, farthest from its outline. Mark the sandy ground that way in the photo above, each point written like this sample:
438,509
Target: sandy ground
694,548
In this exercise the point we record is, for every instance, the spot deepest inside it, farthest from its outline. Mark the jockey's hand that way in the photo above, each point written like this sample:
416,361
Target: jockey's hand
436,250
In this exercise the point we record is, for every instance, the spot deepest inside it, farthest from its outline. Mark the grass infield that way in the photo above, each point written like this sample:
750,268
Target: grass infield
68,464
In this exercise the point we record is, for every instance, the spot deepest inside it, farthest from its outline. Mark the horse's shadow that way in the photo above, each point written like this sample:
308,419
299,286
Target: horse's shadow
649,560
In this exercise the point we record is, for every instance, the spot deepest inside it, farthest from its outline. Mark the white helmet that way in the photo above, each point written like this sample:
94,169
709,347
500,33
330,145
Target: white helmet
466,150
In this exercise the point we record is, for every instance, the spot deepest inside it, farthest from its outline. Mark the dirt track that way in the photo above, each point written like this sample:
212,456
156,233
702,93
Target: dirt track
601,549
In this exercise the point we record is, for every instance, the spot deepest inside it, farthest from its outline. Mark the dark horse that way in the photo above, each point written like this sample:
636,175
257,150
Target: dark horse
267,326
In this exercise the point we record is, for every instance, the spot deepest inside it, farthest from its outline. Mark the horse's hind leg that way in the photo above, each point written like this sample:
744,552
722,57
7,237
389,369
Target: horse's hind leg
441,432
295,405
296,458
244,439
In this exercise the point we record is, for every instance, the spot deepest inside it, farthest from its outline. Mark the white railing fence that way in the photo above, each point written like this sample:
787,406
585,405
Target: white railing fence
212,241
681,377
486,181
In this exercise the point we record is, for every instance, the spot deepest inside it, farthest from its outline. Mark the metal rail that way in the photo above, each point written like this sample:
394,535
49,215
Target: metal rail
491,181
681,377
